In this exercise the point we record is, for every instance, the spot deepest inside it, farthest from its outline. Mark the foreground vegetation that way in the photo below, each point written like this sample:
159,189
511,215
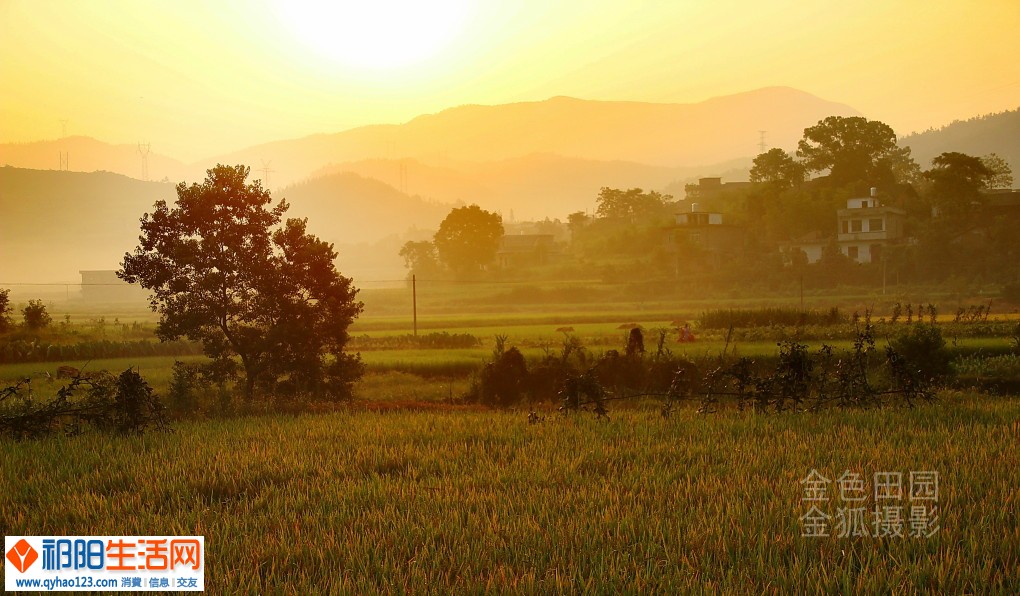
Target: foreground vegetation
470,501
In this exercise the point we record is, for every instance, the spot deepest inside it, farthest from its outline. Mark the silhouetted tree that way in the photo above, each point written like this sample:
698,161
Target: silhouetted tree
957,180
225,272
855,150
420,257
35,315
468,239
1002,174
777,169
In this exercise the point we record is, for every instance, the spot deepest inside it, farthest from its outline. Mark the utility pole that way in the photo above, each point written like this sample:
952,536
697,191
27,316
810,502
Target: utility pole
414,302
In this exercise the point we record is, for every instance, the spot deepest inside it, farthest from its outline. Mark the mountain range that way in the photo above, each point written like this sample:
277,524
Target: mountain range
526,160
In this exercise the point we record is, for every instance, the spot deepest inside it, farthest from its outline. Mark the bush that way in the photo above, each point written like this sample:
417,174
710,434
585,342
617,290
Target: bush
124,404
501,381
35,315
924,349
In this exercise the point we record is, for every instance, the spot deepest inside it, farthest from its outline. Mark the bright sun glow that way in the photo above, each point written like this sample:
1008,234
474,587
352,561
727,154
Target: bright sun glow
375,34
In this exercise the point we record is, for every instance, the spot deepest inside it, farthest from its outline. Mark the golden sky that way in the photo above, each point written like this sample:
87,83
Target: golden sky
200,77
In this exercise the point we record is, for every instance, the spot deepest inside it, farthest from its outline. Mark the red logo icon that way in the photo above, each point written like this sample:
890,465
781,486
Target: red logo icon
22,555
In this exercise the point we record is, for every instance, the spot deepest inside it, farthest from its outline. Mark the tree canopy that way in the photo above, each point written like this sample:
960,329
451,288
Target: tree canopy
632,205
855,150
224,271
957,180
778,169
420,257
468,239
1001,173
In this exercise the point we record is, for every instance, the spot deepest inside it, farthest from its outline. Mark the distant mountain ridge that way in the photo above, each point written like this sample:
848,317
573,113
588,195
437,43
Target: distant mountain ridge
663,135
991,133
91,219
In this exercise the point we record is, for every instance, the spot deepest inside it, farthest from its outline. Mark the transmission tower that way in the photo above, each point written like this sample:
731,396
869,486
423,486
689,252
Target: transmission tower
63,128
143,150
64,161
761,141
266,172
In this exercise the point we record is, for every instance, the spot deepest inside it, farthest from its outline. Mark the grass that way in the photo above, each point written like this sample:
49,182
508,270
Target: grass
482,501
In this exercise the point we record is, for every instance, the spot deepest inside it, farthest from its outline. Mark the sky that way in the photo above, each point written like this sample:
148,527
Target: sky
197,78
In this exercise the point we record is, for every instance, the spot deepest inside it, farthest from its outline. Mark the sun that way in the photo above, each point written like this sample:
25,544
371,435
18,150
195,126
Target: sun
375,34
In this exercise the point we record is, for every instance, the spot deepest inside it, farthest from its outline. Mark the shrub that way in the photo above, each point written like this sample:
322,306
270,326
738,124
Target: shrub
124,404
924,349
502,381
35,315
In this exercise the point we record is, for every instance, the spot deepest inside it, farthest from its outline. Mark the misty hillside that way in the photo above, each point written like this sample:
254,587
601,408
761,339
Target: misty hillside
347,208
56,223
994,133
534,186
665,135
85,154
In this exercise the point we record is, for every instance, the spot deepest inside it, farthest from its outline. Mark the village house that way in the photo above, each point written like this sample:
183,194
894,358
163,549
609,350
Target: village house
863,230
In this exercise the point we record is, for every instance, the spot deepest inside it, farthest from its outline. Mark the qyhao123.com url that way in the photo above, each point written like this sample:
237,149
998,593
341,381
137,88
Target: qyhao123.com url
110,563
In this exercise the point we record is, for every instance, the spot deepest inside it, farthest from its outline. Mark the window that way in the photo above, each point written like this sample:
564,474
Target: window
876,225
855,225
846,227
852,251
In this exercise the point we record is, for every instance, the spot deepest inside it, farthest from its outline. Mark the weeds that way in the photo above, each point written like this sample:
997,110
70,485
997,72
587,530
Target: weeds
124,404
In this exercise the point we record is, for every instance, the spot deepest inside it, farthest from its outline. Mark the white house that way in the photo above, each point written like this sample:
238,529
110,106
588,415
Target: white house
863,229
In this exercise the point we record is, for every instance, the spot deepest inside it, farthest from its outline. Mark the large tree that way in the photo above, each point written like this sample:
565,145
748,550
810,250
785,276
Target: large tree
468,239
420,257
224,271
957,180
777,169
856,151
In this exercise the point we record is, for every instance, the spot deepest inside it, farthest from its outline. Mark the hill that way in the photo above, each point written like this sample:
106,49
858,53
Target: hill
661,135
57,223
85,154
347,208
533,186
993,133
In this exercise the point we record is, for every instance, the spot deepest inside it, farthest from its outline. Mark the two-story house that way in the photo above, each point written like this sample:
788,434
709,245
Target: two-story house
863,229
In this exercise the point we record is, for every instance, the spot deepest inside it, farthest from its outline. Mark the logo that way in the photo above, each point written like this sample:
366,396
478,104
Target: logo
22,555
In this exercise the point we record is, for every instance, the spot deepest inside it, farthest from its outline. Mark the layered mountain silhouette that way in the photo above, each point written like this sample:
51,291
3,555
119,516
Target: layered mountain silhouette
357,187
662,135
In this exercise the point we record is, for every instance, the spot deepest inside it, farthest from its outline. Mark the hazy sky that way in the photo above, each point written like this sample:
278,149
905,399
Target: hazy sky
200,77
